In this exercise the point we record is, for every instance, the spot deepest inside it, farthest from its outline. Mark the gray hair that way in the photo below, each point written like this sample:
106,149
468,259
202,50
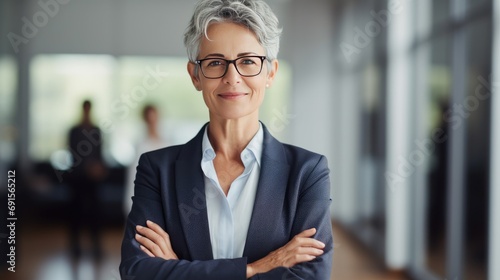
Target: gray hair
254,14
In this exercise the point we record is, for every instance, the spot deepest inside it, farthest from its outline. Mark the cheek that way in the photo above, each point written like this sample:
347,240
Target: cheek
208,86
258,96
258,85
208,91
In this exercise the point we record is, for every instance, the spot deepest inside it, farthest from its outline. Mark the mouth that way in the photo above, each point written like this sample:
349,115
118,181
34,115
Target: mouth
232,95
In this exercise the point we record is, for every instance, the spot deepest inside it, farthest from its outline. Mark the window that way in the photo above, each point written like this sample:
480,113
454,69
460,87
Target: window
59,85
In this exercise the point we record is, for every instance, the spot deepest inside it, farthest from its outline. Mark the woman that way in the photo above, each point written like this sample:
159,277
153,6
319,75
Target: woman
232,203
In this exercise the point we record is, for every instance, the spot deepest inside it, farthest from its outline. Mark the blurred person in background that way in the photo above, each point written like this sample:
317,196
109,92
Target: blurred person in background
152,141
88,171
234,202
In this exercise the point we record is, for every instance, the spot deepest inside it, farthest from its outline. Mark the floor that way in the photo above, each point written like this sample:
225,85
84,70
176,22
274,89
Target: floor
351,260
42,255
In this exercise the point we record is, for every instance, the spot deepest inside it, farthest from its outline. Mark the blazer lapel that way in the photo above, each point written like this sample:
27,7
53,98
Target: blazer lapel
271,190
192,205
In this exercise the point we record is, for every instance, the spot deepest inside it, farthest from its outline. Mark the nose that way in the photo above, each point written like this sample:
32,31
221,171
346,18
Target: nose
232,76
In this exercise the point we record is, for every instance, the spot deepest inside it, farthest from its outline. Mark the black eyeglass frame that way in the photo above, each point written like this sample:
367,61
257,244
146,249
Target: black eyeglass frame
228,62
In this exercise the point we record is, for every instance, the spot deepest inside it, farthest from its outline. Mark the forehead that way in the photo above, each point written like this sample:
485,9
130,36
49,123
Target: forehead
229,39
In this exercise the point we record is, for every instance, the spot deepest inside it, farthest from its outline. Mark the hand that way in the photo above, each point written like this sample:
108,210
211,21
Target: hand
155,241
302,248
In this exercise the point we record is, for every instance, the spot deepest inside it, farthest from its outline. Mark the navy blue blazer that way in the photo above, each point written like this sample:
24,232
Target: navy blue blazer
293,194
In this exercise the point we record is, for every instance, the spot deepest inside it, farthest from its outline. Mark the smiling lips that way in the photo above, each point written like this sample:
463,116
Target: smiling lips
232,95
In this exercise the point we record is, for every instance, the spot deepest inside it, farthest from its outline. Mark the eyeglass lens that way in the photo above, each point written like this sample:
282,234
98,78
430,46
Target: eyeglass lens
217,67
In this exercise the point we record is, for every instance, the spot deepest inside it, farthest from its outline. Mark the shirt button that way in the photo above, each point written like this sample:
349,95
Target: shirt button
210,154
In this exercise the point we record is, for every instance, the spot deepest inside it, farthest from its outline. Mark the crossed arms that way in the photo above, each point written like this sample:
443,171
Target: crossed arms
148,253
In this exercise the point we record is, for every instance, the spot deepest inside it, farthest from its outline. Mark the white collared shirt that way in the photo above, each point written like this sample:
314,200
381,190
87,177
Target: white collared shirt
229,217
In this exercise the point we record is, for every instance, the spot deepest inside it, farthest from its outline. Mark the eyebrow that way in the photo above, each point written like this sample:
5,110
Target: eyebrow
221,55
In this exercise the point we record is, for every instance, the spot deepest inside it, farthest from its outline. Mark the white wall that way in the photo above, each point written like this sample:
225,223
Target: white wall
117,27
114,26
309,43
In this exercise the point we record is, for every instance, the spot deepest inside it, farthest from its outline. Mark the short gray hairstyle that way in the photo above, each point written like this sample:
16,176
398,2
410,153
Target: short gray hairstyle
254,14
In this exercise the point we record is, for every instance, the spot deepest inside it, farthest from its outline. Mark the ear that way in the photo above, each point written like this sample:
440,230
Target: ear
191,68
271,73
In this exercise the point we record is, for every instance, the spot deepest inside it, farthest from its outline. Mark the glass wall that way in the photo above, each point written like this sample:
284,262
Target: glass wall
458,40
361,67
372,187
449,118
478,105
439,90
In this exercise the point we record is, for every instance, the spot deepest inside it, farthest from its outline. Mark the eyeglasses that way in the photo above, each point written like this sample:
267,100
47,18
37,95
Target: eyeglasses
215,68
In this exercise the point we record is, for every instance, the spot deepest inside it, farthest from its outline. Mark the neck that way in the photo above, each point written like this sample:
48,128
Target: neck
153,132
230,137
86,121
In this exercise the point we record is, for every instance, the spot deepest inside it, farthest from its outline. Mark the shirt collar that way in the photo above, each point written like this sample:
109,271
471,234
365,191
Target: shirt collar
255,146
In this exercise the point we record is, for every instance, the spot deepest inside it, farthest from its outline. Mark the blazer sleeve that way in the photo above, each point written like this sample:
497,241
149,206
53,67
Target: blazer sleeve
313,210
135,264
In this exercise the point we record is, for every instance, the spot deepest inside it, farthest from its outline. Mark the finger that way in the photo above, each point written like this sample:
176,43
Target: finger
146,231
306,242
166,245
298,239
301,254
145,250
150,245
160,238
159,230
296,259
309,251
155,227
311,242
144,241
303,258
307,233
152,235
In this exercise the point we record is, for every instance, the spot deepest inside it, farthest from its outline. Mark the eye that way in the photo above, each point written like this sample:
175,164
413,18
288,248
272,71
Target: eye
215,62
248,61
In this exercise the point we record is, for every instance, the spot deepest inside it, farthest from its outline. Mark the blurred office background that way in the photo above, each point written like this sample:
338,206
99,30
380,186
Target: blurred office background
400,95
